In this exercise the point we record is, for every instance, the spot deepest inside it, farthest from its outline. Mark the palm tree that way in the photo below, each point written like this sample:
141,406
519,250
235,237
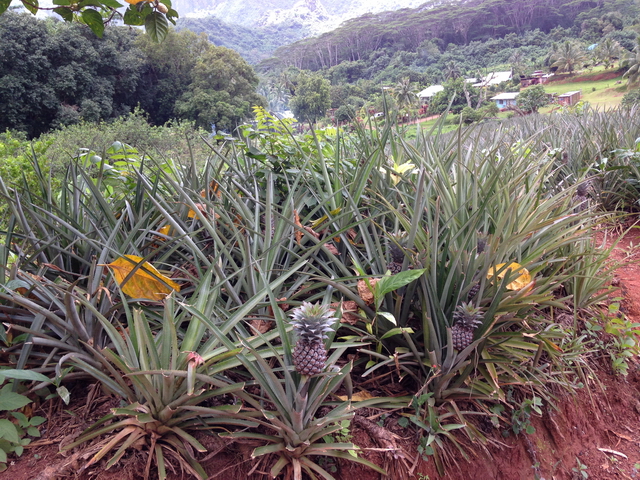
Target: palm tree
452,71
405,94
518,63
568,57
632,60
608,51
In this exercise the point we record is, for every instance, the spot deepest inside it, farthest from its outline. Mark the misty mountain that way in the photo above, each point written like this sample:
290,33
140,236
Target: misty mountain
256,28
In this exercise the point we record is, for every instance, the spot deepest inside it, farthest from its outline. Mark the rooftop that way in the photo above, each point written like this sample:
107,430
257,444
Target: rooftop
430,91
506,96
494,78
568,94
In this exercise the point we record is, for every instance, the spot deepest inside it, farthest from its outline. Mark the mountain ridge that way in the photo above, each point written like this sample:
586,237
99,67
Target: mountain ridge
256,28
316,15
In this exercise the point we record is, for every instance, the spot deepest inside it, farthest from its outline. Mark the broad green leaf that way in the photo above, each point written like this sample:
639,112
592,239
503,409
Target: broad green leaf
62,2
8,431
21,417
390,317
65,13
133,17
396,331
3,460
94,20
35,421
4,4
156,26
389,283
89,3
23,375
33,431
31,5
112,3
12,400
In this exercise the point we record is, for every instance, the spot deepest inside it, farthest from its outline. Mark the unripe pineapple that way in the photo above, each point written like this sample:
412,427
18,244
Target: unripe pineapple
311,322
473,291
397,258
467,317
580,199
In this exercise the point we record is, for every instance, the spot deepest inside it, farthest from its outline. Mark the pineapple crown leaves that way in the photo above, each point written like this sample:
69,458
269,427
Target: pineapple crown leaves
312,320
468,314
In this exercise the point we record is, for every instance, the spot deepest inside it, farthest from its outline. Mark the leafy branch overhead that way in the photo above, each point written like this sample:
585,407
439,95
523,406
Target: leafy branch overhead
155,15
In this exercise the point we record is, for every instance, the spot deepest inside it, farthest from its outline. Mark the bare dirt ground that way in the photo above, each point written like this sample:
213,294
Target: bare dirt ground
594,435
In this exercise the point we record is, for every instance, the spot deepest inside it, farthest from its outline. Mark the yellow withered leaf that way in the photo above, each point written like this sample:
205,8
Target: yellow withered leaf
165,230
357,397
146,282
135,2
202,208
519,283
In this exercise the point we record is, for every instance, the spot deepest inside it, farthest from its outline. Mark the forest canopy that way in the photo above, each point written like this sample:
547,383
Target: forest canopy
61,73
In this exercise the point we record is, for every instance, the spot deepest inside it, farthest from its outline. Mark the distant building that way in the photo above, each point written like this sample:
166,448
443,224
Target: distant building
536,78
494,78
505,100
426,94
569,98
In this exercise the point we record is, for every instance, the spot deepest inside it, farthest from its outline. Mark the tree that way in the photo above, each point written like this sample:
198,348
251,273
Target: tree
168,70
155,15
608,51
404,93
458,93
632,61
59,74
532,98
311,99
452,70
222,91
468,115
518,63
568,57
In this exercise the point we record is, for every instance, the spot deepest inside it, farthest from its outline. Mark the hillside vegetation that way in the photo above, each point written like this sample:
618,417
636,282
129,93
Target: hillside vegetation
457,23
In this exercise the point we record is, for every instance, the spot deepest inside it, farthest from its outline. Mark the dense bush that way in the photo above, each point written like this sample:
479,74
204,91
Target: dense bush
631,98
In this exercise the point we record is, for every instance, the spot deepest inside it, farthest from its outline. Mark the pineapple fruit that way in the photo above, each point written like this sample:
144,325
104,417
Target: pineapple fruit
473,291
397,258
467,318
311,322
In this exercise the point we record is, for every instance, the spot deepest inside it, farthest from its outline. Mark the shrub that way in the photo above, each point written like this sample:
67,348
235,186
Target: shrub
173,140
532,98
631,98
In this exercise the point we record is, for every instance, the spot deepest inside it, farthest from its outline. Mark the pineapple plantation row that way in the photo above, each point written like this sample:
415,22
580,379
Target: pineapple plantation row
251,293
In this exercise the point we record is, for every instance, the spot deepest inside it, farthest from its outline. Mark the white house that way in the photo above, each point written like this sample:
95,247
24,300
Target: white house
429,92
504,100
494,78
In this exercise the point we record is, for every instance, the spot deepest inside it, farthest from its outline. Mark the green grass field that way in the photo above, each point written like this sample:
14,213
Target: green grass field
604,93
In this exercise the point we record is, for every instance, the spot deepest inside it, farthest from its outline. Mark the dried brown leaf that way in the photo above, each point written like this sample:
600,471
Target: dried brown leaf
365,292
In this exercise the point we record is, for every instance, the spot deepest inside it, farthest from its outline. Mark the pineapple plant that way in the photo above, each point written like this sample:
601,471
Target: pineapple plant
467,317
311,322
